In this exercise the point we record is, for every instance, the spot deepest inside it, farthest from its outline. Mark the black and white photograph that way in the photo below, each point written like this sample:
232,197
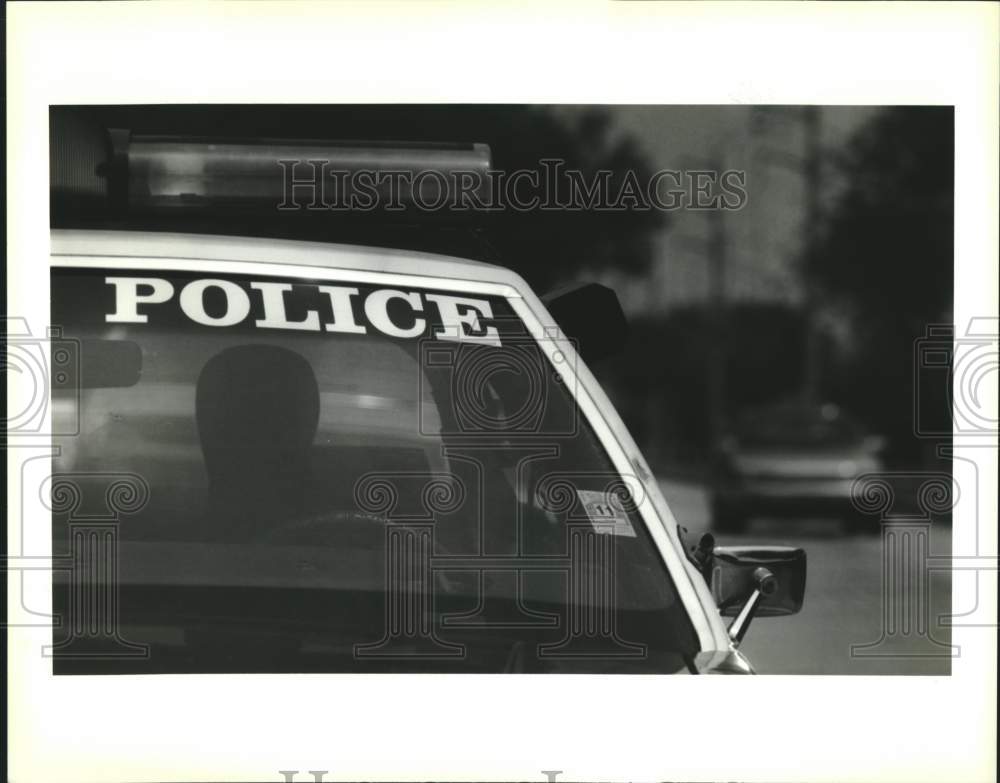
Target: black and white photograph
410,406
330,471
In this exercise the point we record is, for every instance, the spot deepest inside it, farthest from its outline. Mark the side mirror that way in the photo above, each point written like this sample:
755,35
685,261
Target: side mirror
747,581
591,315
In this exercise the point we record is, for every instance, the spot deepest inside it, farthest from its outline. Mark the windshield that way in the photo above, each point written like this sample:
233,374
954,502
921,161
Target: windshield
305,475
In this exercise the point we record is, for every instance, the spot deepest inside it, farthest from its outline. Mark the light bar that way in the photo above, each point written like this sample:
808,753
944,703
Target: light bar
170,173
149,175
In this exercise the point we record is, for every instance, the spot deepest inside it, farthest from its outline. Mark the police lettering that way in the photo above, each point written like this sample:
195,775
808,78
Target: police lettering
392,312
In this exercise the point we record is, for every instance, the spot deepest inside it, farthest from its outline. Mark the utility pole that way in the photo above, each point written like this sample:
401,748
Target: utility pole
812,169
718,316
809,166
714,249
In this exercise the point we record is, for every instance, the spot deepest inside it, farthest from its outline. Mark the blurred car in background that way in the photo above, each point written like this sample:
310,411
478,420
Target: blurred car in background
791,459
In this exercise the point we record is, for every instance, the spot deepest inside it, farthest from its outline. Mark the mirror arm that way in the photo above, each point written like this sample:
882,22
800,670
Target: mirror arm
766,585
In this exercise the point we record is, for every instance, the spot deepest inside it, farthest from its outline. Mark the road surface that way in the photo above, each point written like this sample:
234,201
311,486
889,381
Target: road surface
844,603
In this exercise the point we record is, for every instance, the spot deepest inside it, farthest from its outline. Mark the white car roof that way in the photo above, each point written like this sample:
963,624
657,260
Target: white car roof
142,244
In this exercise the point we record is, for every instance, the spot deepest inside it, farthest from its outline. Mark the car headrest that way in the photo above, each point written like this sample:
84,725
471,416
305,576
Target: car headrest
257,409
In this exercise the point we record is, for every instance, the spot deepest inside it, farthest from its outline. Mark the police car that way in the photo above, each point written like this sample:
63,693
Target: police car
344,457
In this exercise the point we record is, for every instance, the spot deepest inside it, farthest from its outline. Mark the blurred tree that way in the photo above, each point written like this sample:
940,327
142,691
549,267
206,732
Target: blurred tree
547,247
884,260
660,381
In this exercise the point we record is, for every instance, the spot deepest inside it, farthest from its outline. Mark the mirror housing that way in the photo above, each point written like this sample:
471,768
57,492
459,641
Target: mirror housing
734,576
591,316
749,580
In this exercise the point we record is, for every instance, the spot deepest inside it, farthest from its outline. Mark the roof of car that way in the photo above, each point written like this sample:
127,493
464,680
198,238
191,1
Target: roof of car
143,244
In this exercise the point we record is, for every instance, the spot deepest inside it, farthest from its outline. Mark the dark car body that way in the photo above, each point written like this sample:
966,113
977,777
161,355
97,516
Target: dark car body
791,460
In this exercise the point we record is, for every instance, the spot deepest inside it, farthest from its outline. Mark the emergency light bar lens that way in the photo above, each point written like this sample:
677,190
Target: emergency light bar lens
168,174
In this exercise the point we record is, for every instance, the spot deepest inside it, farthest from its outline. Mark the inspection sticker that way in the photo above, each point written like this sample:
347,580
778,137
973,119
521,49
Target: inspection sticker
605,513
